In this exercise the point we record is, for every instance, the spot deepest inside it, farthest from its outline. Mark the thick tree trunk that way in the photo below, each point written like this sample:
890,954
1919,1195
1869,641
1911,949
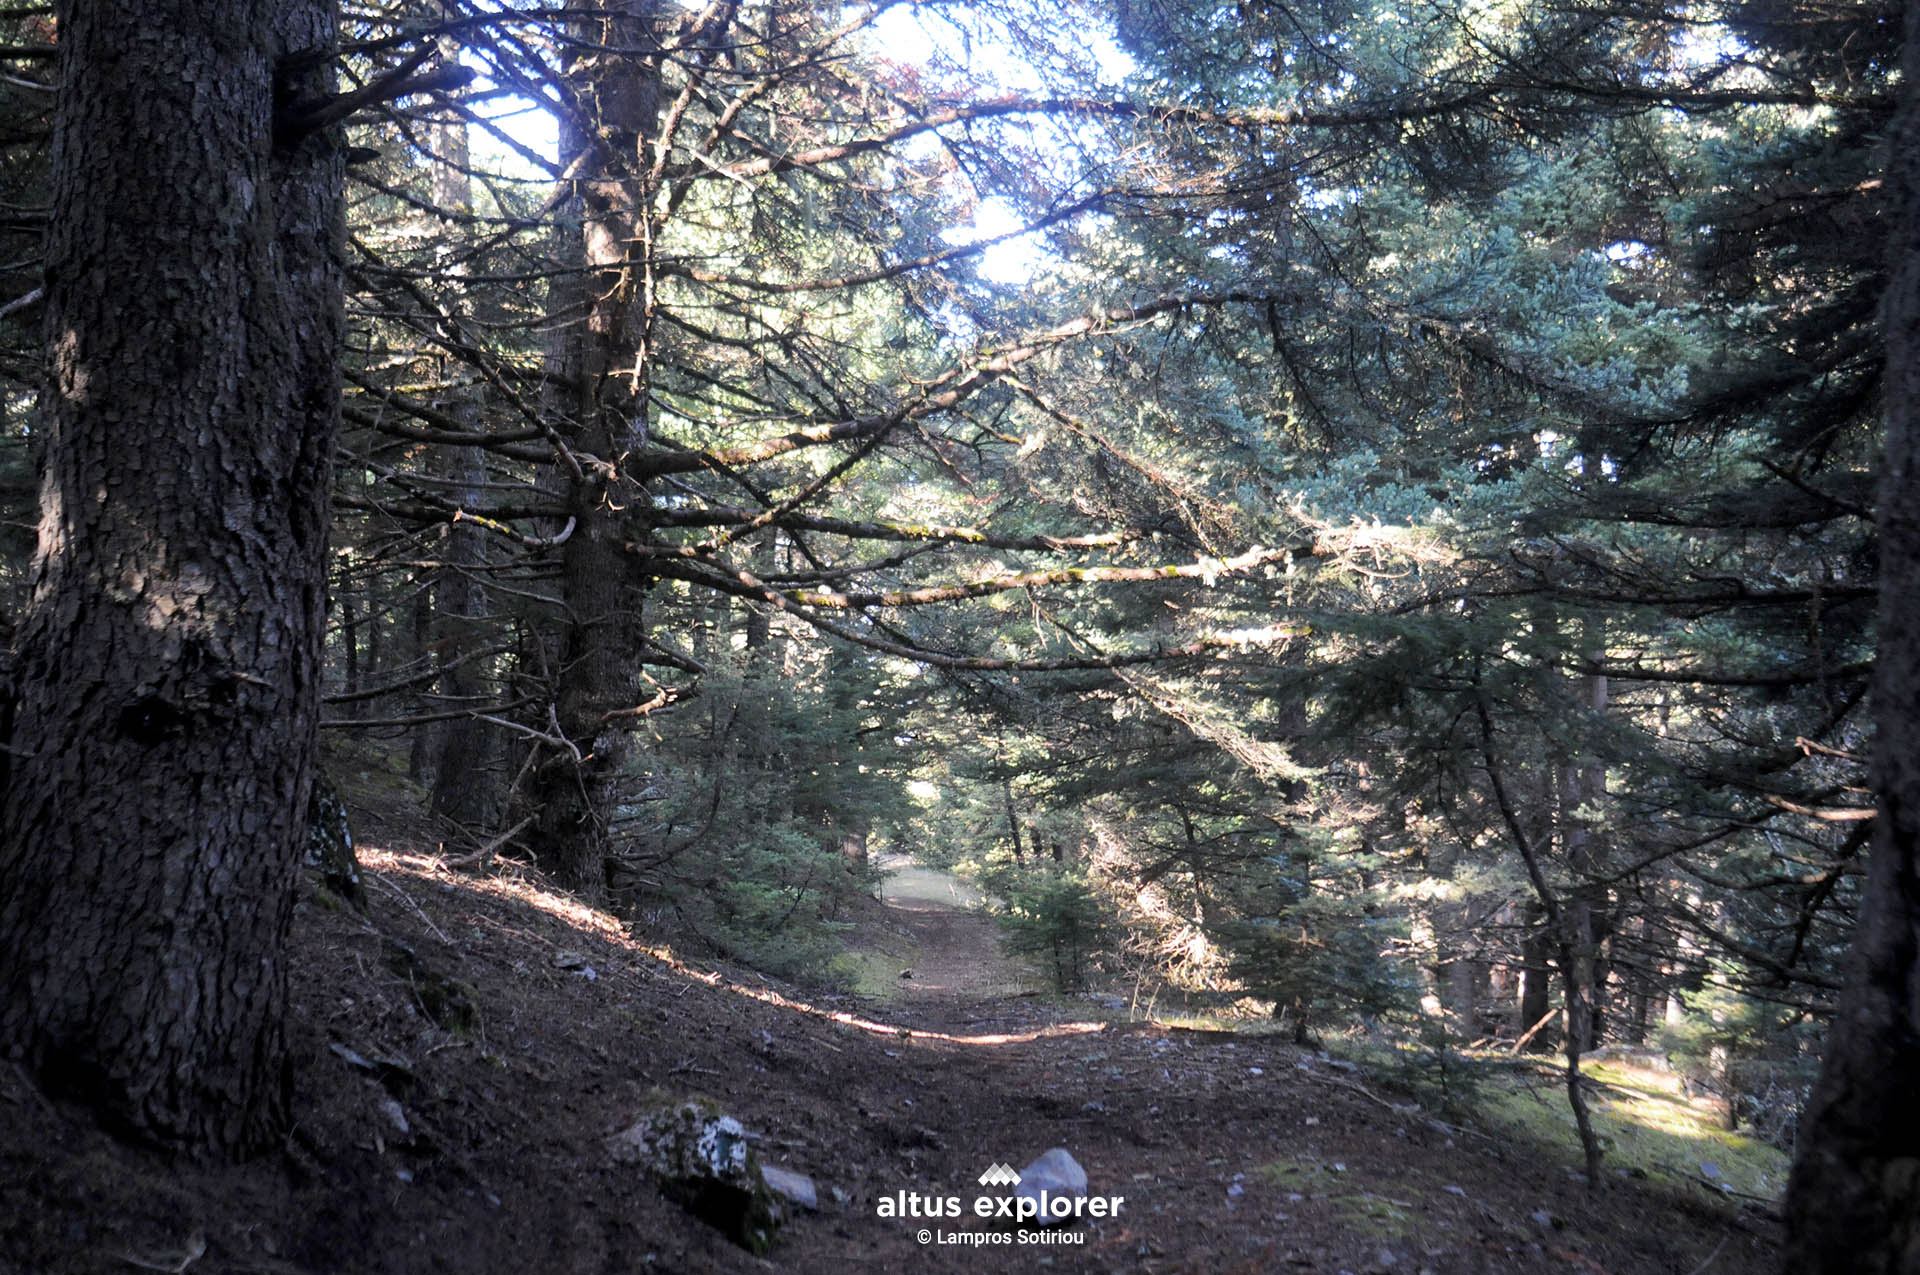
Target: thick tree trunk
1013,820
420,630
1853,1205
1453,972
606,366
168,669
1457,995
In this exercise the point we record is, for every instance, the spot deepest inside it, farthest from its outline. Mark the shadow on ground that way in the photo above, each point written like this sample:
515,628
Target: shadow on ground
428,1140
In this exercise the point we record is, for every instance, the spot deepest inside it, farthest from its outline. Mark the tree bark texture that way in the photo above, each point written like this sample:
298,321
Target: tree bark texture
606,367
167,670
1853,1204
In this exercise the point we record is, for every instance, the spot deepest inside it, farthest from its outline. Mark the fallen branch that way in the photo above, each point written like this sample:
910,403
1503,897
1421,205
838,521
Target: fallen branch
1360,1089
1528,1035
486,852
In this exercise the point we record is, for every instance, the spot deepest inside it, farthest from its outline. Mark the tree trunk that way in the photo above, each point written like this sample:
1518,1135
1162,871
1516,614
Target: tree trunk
759,625
1535,975
462,746
168,669
420,627
606,365
1458,995
1453,971
1853,1204
350,646
1013,820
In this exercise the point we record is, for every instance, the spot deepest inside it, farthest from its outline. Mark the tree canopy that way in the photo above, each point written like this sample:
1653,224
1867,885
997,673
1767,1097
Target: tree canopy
1368,508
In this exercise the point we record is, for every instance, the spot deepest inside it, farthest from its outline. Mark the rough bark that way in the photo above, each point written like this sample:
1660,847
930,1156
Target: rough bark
168,666
1853,1204
606,367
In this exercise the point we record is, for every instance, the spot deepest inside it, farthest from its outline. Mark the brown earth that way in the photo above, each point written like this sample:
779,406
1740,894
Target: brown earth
948,952
1233,1153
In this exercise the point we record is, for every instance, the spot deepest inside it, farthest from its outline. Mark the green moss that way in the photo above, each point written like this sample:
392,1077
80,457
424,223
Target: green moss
1302,1175
1646,1126
876,974
451,1004
1375,1215
1359,1210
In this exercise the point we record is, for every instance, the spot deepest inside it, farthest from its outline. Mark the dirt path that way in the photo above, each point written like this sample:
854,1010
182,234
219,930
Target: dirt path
950,950
424,1150
1235,1153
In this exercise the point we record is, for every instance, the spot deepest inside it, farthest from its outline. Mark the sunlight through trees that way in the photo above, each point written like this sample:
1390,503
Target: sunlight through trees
1369,515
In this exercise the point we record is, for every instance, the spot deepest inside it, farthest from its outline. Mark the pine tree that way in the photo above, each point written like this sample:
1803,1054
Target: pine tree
166,674
1854,1202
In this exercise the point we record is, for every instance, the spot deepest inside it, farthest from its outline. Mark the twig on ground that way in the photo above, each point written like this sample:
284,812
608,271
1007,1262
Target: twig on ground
408,900
1698,1270
1362,1090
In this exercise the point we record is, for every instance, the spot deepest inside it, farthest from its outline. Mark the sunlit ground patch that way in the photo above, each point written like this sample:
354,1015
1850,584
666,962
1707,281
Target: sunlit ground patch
1646,1124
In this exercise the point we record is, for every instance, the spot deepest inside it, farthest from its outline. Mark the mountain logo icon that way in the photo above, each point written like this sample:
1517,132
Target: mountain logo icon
999,1175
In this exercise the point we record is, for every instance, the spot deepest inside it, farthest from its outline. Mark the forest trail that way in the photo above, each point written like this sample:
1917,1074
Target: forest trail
947,949
453,1106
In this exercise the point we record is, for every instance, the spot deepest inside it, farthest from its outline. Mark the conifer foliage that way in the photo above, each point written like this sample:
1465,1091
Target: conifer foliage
1398,541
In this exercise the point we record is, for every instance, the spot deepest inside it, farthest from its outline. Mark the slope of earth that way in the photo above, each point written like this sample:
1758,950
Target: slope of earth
459,1071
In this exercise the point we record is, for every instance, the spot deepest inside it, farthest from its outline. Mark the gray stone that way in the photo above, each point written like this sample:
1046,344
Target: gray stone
1057,1174
795,1187
396,1116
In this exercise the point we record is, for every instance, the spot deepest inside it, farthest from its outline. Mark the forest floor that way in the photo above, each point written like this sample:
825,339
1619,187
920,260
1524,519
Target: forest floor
453,1109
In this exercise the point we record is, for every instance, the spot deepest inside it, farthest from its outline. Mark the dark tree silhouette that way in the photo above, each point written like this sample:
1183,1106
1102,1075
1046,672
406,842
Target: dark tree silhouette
166,680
